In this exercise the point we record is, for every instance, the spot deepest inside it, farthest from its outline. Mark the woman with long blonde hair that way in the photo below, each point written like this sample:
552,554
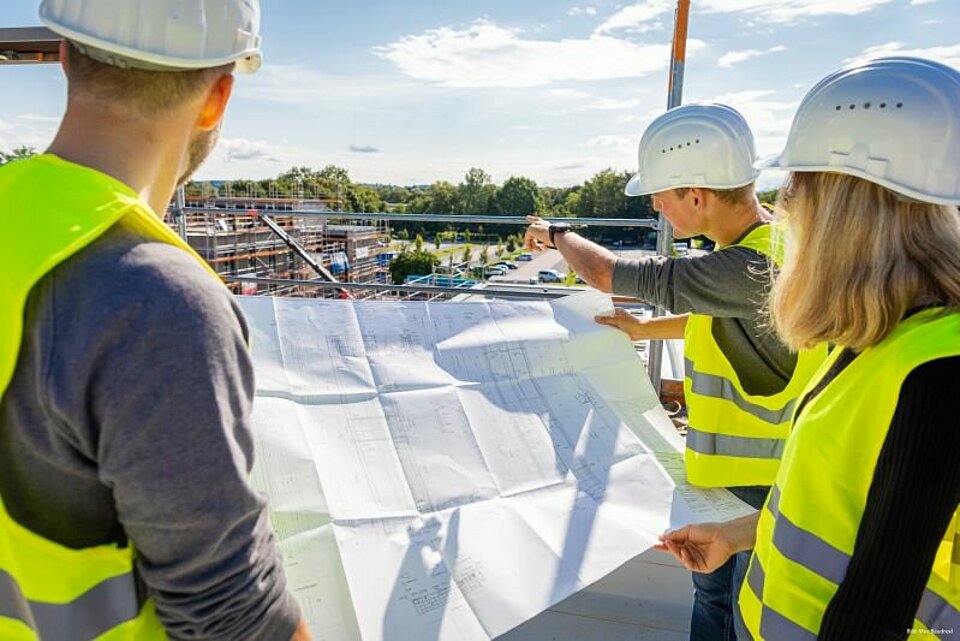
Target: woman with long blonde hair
856,538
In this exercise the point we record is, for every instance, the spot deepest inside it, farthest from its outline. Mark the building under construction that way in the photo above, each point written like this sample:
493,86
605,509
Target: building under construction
233,234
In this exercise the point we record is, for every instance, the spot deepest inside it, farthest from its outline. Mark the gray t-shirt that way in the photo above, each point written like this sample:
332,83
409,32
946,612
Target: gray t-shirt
731,285
128,417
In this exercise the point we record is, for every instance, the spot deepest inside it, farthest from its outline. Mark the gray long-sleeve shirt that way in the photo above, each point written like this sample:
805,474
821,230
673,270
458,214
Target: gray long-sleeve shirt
731,285
128,417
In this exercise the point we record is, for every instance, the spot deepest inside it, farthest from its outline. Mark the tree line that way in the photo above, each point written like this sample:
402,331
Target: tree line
598,197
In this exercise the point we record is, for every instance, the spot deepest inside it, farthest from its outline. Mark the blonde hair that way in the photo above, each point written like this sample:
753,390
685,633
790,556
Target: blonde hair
145,92
858,258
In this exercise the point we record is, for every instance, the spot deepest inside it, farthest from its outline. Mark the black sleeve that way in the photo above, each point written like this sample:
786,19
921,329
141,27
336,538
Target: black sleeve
914,493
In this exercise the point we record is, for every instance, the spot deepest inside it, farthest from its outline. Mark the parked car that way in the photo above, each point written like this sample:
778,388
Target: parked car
525,257
550,276
495,270
508,264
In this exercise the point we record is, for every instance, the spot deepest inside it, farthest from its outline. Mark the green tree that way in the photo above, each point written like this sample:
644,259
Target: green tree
412,263
602,197
484,255
511,244
476,192
519,196
768,197
361,198
18,153
418,243
437,242
467,253
555,200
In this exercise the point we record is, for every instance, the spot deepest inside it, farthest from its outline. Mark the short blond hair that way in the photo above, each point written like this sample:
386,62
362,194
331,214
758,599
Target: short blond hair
858,258
736,196
148,92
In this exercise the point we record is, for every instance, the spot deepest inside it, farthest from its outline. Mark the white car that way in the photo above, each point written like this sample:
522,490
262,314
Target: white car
551,276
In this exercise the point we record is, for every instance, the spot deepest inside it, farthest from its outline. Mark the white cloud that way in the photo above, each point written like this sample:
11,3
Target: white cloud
602,104
637,15
569,94
27,132
38,118
241,150
916,3
582,11
949,54
612,141
486,55
733,57
303,85
612,104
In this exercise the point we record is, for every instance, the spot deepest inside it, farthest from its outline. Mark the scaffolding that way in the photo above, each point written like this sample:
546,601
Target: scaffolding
229,233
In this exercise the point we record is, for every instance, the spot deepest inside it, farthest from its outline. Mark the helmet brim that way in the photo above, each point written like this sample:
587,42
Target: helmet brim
901,190
635,187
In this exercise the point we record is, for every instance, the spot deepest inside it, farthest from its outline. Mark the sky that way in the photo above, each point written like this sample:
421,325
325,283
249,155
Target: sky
413,92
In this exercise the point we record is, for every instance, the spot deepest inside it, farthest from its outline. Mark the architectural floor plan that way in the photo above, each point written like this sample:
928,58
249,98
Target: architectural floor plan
445,471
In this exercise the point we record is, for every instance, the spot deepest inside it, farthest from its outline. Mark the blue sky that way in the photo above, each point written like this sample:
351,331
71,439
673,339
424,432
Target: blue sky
412,92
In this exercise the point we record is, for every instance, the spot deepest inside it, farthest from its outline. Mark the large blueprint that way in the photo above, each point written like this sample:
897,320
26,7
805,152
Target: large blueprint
445,471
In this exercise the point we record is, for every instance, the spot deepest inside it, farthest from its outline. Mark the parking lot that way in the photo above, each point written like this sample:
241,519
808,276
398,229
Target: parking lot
551,259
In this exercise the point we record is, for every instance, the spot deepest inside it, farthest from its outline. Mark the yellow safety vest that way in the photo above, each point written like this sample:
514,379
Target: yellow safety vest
51,209
808,527
735,438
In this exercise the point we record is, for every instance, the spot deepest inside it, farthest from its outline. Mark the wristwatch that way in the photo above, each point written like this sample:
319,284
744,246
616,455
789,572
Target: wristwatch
557,228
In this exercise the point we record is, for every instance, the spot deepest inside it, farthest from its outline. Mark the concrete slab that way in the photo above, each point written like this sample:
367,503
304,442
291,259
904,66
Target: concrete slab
648,599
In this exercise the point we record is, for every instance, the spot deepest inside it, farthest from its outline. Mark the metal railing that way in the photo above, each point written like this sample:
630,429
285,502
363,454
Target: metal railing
526,292
647,223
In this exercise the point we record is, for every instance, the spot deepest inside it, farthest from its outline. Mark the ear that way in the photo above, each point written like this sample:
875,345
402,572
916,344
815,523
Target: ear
215,104
697,196
64,63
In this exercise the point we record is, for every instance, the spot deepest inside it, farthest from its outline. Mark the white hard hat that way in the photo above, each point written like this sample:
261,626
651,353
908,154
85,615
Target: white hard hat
893,121
161,34
696,145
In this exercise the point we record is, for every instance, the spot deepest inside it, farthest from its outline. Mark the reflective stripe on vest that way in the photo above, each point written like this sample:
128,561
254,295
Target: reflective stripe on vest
820,557
721,388
103,607
735,438
809,525
51,209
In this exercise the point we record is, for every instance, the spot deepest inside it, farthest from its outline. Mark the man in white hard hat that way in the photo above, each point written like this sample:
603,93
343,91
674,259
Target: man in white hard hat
741,382
125,381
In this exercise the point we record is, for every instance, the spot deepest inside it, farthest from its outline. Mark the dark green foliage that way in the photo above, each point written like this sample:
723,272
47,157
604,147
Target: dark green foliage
416,262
